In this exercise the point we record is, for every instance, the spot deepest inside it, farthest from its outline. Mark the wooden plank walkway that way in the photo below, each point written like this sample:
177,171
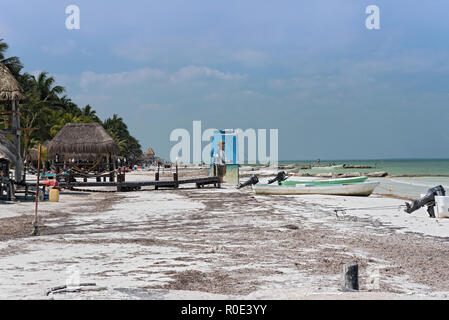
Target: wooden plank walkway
136,185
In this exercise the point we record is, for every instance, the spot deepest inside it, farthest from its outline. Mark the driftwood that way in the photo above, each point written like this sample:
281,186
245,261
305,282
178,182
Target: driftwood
350,166
78,288
343,175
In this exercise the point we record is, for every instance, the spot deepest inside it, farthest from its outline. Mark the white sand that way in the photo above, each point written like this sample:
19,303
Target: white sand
30,266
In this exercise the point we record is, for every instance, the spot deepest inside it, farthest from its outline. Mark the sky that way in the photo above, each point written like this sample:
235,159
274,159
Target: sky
311,69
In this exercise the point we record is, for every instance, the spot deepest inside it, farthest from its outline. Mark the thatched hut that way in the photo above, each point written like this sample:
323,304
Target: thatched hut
8,155
82,140
7,150
11,94
148,157
150,152
84,148
33,154
10,89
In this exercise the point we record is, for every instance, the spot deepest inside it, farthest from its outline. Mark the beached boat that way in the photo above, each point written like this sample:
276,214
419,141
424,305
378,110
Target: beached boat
353,189
292,182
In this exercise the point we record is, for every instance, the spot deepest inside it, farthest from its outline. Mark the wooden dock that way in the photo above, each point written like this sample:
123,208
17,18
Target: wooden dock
137,185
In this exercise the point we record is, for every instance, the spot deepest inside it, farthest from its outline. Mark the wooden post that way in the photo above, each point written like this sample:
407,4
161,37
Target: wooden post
175,179
35,225
175,176
9,191
111,175
156,178
16,132
114,167
350,277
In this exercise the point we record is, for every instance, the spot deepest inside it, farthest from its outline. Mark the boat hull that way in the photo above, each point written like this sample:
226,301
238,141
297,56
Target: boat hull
325,181
358,189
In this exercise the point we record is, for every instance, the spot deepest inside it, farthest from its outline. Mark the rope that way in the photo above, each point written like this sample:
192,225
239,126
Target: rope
103,174
90,169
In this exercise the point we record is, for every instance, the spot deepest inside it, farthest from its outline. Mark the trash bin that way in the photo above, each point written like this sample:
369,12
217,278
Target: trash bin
442,204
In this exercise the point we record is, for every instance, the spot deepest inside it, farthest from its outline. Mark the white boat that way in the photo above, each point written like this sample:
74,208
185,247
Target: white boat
355,189
292,181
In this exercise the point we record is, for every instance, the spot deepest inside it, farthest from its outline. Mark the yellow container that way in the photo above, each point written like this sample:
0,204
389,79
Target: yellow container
54,195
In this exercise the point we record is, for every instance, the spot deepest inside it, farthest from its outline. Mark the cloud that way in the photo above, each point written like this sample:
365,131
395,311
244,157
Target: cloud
89,78
195,72
64,48
120,79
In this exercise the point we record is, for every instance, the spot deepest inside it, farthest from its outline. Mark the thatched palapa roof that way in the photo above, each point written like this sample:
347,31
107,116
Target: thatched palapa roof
150,152
9,87
33,154
81,139
7,150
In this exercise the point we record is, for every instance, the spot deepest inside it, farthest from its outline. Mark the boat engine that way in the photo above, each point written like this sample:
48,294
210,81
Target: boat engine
281,176
251,181
428,200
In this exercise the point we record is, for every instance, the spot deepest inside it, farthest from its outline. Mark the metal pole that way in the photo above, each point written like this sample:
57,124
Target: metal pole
35,225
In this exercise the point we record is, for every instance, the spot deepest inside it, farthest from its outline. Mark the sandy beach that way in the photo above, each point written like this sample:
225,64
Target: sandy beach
220,244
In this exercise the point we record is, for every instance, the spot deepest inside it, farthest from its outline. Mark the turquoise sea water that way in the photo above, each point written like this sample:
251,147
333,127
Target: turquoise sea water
410,177
419,167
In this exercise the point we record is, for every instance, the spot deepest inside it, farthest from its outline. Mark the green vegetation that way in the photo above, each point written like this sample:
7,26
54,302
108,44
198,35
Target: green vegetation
47,110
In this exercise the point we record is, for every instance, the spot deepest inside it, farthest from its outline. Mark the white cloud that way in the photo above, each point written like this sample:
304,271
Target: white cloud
195,72
89,78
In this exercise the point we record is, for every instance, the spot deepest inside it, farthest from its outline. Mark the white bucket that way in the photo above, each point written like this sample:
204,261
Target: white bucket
442,206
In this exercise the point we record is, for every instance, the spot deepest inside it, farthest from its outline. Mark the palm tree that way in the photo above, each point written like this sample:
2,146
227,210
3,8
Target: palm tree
129,146
88,112
45,112
13,63
43,86
66,104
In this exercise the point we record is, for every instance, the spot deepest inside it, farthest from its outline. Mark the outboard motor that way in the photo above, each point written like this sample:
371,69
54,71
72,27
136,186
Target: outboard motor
251,181
428,200
279,177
